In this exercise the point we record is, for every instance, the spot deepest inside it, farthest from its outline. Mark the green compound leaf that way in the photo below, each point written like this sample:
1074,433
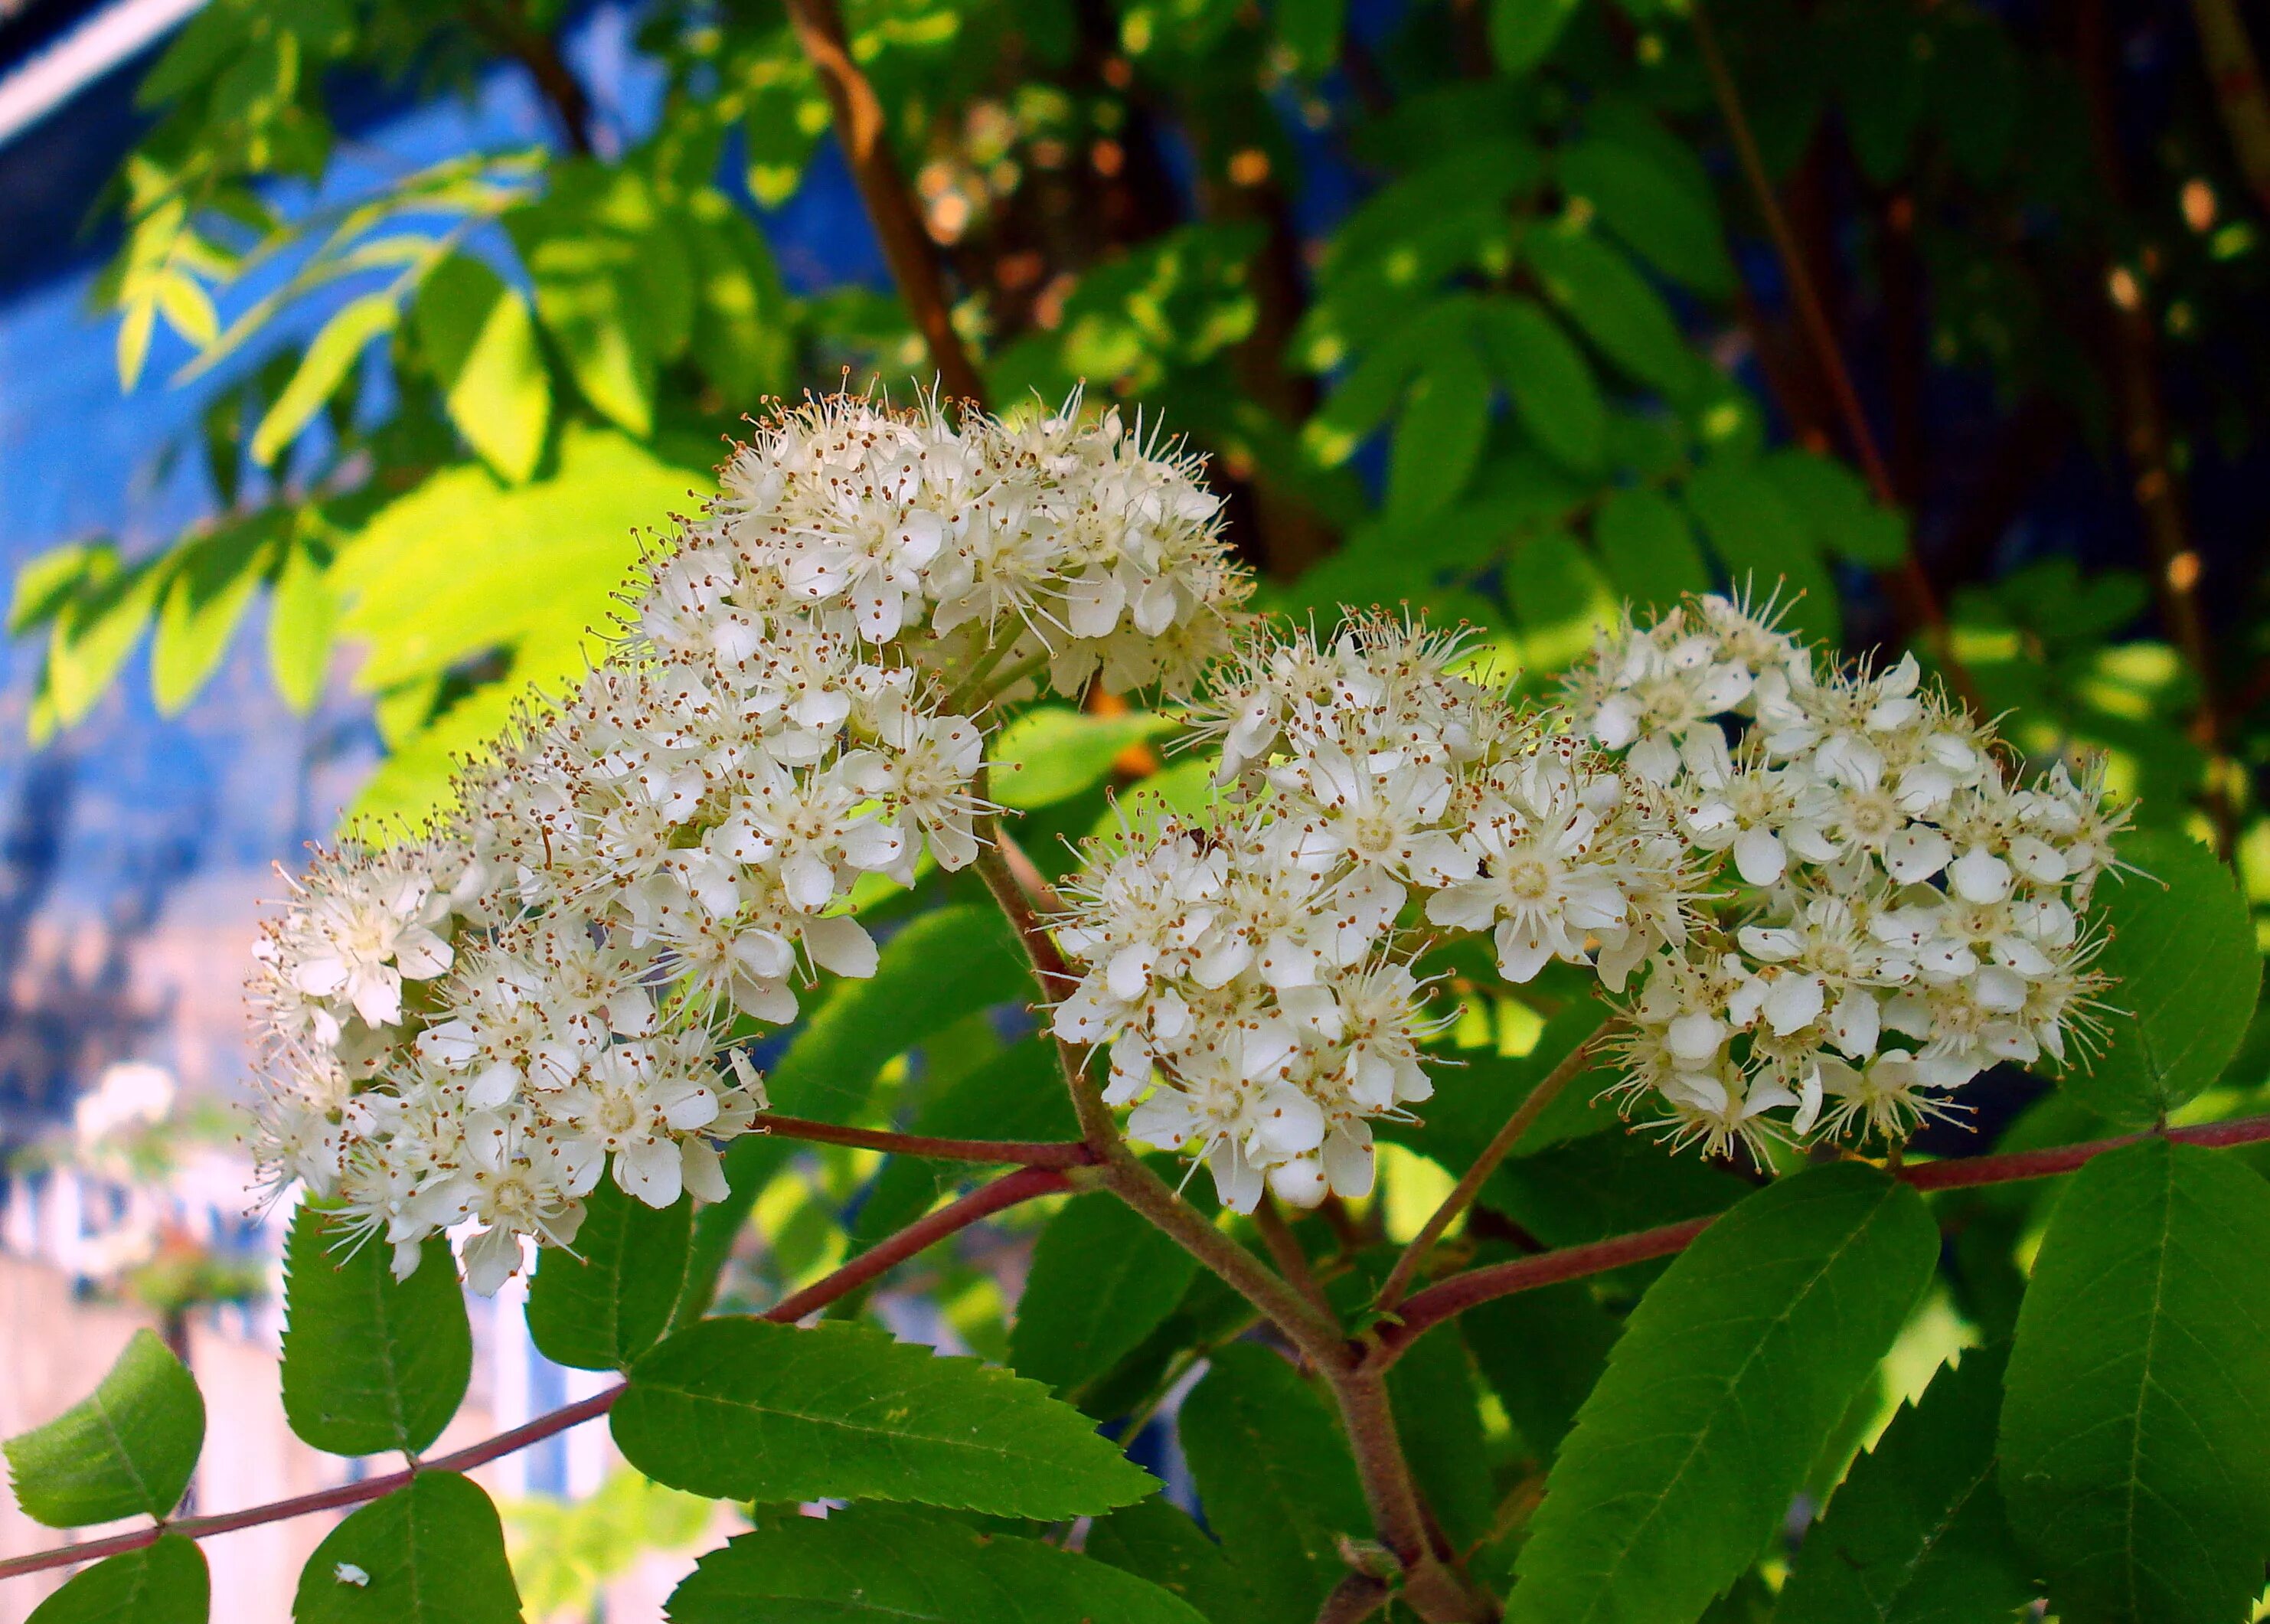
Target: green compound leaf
1157,1539
2185,973
741,1409
877,1565
1917,1534
1728,1379
126,1450
1102,1278
1275,1479
371,1363
2136,1429
165,1583
601,1306
430,1554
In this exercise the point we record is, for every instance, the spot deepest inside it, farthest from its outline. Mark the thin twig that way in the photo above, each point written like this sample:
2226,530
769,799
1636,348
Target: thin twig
1906,585
1469,1184
2237,77
507,28
1355,1599
1026,1153
906,247
1316,1335
980,1203
1285,1251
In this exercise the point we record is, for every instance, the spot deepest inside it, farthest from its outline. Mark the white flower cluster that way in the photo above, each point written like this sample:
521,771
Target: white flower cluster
472,1029
1249,971
1900,913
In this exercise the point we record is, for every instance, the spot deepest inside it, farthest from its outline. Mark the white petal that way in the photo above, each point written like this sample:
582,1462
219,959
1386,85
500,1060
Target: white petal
1759,856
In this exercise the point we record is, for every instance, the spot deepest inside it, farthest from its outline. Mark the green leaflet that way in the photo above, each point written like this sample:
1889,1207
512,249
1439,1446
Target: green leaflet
1053,753
1835,506
1542,1350
1554,393
1102,1278
2136,1429
1597,288
742,1409
1764,546
165,1583
462,564
480,340
894,1566
1157,1539
371,1363
2181,953
944,965
1666,216
218,577
601,1306
1668,1486
742,336
127,1448
95,629
1275,1478
1440,1423
1018,1094
1647,547
1438,437
300,617
1917,1533
1559,603
1608,1184
1523,33
613,281
430,1554
335,349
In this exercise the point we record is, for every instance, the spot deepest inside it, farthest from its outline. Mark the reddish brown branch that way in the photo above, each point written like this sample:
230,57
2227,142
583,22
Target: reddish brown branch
1026,1153
978,1204
2237,77
1907,585
1460,1292
508,29
906,247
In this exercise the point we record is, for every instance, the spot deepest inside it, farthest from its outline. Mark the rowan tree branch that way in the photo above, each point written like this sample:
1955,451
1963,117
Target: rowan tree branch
907,247
2235,74
1010,1191
1026,1153
1469,1184
1455,1295
1906,584
506,27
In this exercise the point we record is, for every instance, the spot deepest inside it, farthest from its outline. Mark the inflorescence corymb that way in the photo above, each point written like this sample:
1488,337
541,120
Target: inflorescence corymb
1818,896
